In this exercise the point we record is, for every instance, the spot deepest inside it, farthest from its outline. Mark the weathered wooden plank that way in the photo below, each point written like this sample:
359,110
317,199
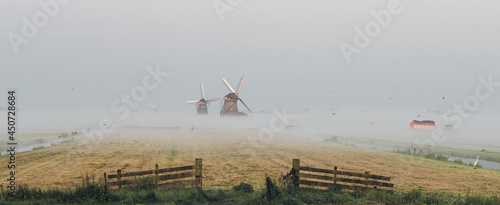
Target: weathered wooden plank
328,171
328,185
357,181
313,176
138,173
123,182
174,169
177,183
312,169
345,188
160,178
156,175
105,183
335,175
175,176
119,178
296,173
347,180
198,171
314,183
371,176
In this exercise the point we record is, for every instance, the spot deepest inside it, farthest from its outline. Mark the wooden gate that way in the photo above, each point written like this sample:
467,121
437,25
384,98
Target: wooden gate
174,176
334,178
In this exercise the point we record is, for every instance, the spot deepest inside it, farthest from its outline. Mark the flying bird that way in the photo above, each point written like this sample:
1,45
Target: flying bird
477,162
443,97
154,108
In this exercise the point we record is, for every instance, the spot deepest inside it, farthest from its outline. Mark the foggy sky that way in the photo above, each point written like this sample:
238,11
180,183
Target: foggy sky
92,52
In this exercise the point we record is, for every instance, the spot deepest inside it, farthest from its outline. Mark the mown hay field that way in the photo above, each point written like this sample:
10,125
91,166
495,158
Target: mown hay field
231,157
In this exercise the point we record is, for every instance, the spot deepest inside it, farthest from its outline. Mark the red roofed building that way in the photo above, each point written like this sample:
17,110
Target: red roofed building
423,125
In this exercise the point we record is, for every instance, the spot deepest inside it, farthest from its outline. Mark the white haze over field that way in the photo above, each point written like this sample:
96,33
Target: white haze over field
383,125
91,53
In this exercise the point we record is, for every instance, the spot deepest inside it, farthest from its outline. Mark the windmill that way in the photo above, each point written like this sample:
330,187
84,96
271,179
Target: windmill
202,104
230,105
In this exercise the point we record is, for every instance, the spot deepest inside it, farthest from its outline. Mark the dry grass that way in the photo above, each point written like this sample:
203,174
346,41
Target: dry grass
231,157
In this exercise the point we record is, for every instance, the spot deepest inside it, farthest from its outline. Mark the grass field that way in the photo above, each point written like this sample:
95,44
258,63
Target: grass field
231,157
490,154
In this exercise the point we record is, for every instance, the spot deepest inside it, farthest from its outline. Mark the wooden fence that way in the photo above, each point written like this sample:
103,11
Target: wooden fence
330,178
172,175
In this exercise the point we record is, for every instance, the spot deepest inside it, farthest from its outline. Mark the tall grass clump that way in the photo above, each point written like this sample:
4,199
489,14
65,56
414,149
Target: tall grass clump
459,161
481,199
88,191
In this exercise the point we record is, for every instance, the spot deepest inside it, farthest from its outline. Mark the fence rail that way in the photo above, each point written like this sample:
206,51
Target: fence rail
327,171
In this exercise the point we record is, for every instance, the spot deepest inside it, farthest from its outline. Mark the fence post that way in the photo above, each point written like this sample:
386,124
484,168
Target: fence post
296,173
198,173
119,178
268,185
105,183
367,179
156,174
335,177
